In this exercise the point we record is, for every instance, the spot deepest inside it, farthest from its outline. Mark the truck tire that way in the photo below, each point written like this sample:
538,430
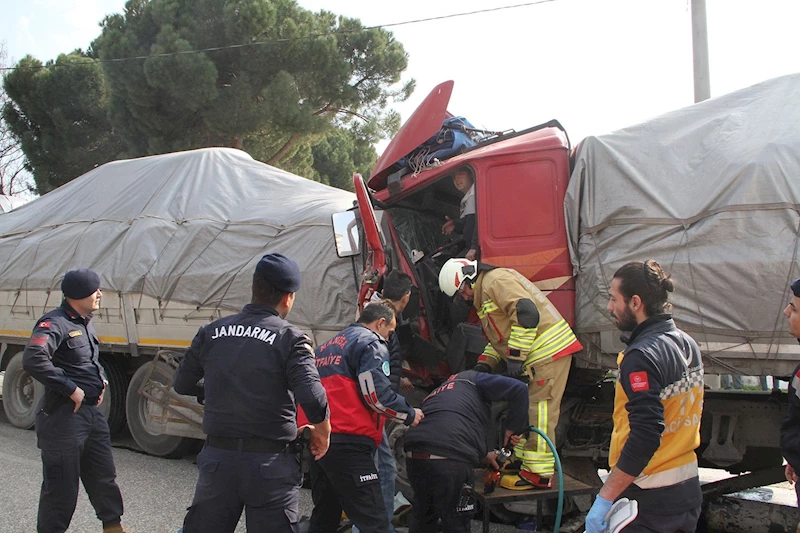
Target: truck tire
136,407
113,406
21,394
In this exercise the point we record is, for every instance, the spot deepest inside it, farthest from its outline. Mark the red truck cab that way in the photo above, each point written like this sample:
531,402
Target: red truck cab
520,183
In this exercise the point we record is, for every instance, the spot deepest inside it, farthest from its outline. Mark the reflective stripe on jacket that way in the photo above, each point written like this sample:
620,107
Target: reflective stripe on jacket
497,294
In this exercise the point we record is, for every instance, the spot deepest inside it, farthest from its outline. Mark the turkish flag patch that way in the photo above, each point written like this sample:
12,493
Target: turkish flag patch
44,324
39,340
639,381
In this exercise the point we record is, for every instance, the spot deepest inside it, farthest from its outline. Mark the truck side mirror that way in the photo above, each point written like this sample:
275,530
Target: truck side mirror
345,234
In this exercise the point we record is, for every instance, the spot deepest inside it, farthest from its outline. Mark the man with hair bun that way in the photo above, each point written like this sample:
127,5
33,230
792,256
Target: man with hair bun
657,409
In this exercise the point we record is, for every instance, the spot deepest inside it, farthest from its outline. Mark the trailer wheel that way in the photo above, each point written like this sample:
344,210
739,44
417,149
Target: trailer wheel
136,407
113,406
21,394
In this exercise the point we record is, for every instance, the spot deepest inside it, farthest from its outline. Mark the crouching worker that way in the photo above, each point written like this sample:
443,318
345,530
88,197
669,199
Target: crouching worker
450,442
354,367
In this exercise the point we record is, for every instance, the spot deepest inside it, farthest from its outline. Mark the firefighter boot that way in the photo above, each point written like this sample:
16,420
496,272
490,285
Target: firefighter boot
525,480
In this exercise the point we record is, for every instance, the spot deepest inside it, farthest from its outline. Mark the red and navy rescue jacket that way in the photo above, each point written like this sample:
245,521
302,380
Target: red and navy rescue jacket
354,368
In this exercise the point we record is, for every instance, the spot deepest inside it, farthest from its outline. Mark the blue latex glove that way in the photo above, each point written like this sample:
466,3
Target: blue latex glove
596,519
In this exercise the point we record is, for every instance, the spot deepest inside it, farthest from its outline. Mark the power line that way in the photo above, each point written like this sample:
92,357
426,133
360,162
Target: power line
288,39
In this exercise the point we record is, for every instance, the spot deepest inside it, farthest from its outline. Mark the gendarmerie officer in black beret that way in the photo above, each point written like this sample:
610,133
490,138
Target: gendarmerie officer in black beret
63,354
257,368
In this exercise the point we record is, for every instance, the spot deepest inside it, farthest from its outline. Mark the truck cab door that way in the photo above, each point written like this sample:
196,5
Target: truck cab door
375,262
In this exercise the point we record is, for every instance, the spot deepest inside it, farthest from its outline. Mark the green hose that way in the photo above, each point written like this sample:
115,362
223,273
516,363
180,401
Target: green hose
560,478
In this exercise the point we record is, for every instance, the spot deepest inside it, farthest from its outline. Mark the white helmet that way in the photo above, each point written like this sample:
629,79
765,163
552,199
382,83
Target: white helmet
454,272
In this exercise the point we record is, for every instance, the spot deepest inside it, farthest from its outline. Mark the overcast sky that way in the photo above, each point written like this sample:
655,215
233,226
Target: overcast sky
595,65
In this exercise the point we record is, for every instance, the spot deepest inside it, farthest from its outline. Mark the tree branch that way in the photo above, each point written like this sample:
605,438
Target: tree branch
324,109
285,148
353,113
362,80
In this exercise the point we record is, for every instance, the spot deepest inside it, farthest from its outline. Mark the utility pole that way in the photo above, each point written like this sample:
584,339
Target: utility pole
702,83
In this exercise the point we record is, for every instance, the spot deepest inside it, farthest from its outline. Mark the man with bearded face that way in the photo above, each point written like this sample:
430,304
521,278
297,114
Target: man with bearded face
658,404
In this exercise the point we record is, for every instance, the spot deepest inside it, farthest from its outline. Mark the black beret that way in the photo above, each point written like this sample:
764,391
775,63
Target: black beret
78,284
796,287
280,271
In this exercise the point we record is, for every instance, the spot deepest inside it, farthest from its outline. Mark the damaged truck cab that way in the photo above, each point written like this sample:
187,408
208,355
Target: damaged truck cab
521,180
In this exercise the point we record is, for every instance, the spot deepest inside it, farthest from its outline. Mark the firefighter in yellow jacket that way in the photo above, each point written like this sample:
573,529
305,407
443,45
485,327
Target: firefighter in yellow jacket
529,333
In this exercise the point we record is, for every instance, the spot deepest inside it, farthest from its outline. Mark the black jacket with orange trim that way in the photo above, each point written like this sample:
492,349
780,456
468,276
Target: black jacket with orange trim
657,414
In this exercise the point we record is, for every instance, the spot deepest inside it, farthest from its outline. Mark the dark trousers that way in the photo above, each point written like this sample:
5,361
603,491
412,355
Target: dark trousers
671,523
264,485
437,485
346,479
76,447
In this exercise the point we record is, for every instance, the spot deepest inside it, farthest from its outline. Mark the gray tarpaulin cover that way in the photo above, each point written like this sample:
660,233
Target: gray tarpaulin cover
712,193
185,227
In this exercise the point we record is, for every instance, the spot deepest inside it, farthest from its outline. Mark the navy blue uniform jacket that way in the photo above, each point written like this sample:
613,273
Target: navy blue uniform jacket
257,367
64,352
457,415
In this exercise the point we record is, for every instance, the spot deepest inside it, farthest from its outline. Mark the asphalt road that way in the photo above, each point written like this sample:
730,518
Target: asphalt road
156,491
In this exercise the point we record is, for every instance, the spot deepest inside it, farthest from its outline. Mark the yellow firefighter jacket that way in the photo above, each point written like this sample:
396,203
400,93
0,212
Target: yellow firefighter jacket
497,294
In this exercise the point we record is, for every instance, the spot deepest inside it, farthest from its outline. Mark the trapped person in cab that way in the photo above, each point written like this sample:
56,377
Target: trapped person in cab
790,429
63,354
354,367
257,369
658,404
450,442
526,331
467,224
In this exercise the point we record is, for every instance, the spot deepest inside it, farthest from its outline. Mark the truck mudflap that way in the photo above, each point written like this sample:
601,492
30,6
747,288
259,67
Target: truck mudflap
169,413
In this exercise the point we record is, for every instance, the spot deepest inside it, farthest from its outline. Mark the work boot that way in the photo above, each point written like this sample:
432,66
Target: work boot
115,528
525,480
